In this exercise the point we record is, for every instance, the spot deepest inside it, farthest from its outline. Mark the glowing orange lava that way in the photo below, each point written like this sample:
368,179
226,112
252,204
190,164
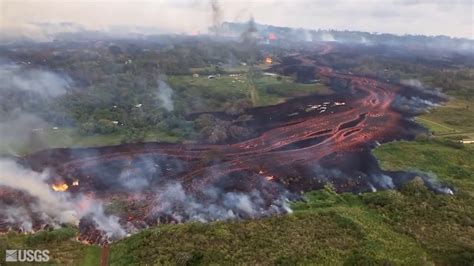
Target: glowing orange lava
60,187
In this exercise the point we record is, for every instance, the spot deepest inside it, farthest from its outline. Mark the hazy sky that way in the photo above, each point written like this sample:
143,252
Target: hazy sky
436,17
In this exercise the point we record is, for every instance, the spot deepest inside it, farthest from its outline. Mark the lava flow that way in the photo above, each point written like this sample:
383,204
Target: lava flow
302,144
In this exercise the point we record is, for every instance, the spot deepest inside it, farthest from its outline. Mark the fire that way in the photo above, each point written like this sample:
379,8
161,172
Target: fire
268,60
60,187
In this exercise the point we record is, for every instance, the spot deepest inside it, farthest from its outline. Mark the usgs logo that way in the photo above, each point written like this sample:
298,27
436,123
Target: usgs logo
26,255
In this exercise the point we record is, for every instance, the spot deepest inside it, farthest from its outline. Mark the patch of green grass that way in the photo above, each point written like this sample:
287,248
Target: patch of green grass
442,224
454,118
449,161
298,238
214,94
68,137
63,249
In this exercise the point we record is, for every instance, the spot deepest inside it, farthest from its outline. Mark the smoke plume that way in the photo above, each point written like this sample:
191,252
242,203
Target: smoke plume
50,207
19,125
216,17
165,94
217,204
40,82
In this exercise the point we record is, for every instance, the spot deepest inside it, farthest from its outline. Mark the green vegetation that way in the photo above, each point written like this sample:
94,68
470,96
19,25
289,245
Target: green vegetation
218,93
455,120
70,137
63,249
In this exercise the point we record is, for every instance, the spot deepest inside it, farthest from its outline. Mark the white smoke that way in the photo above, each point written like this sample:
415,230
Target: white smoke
364,40
307,36
327,37
412,82
172,200
43,83
165,94
385,181
17,128
19,123
415,83
412,105
54,208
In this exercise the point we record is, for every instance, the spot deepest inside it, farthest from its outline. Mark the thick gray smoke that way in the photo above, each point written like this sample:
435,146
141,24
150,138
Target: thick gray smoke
54,208
249,35
165,94
216,17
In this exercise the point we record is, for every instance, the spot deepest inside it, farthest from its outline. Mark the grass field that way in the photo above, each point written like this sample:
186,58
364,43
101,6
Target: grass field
63,249
213,94
454,119
67,137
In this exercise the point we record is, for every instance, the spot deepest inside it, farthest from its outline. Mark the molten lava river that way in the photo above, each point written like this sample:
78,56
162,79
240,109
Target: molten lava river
299,145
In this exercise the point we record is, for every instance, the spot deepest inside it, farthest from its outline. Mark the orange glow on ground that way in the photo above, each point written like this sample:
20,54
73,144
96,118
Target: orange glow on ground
60,187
